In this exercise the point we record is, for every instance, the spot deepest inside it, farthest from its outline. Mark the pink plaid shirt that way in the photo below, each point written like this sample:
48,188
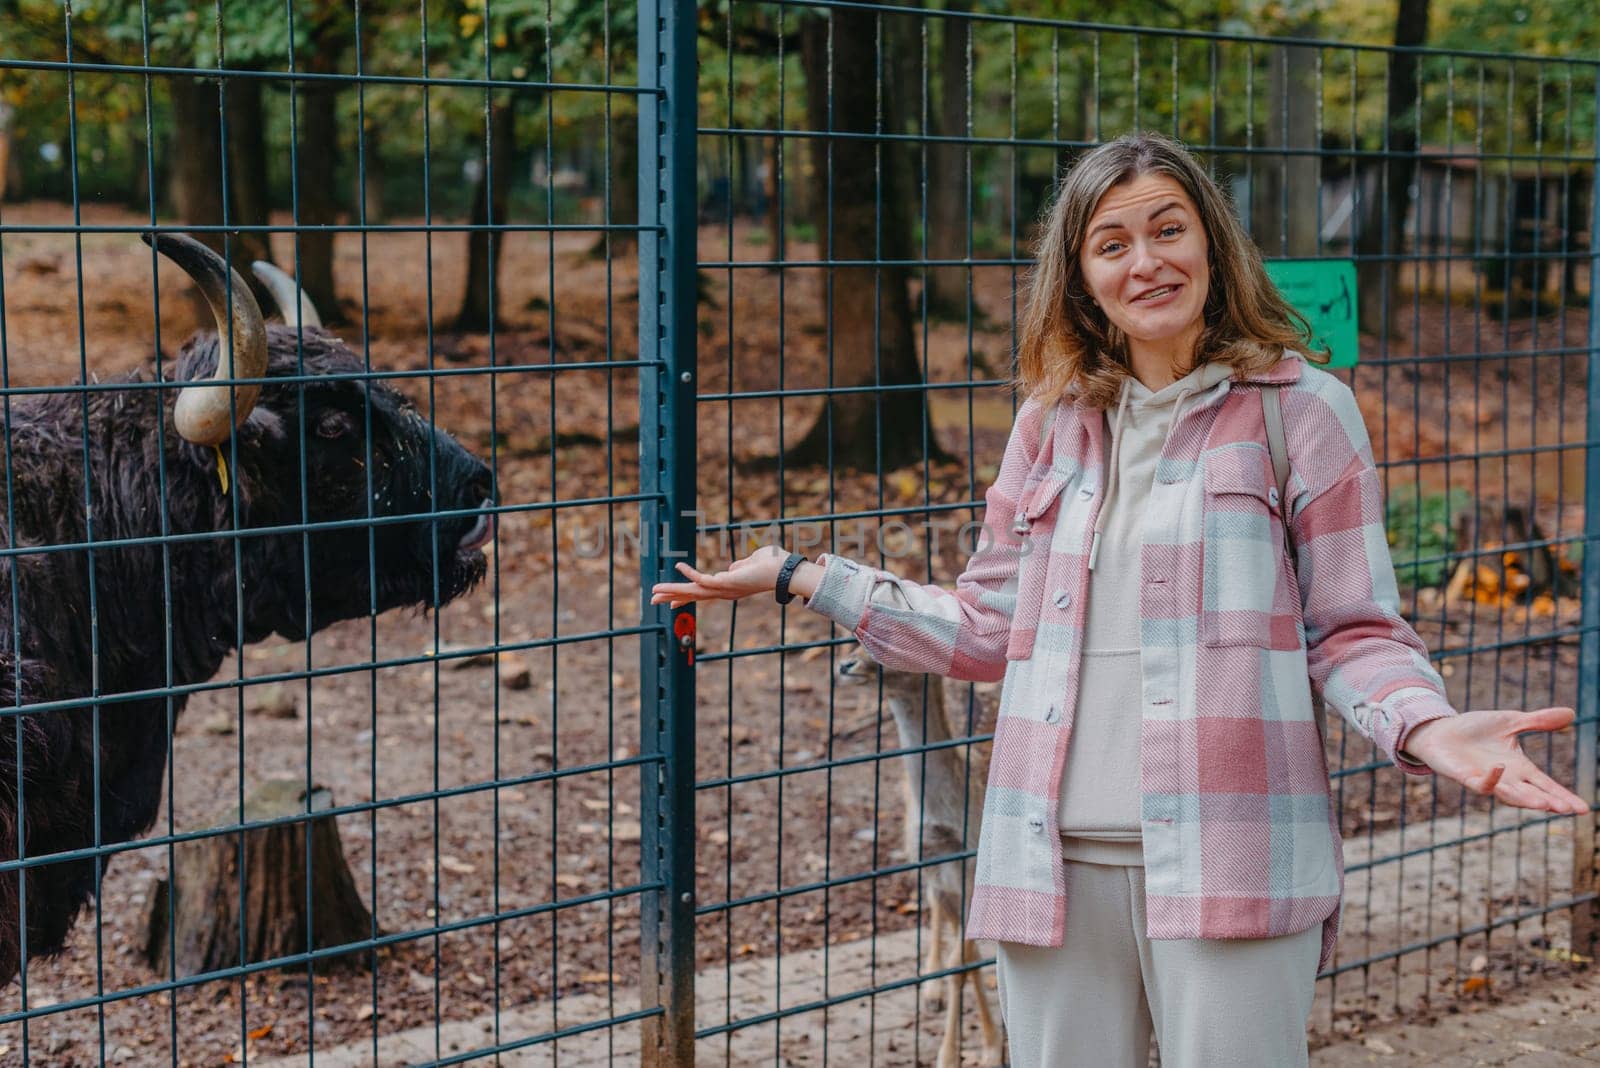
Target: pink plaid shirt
1239,832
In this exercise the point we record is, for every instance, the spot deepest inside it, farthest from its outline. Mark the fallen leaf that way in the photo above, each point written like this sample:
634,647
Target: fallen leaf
366,1012
599,977
274,702
456,865
260,1032
515,674
1562,953
456,659
1479,963
1475,983
1379,1046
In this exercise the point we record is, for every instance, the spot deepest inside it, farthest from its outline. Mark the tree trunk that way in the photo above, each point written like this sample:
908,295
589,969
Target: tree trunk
368,193
318,156
480,303
948,217
247,169
372,189
1284,202
205,896
197,157
197,190
139,192
624,185
849,429
1383,217
5,146
772,153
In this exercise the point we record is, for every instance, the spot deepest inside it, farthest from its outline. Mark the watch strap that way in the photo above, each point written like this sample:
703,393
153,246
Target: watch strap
785,573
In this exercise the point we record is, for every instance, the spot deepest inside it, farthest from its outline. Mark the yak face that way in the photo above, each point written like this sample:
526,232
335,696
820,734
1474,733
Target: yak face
369,461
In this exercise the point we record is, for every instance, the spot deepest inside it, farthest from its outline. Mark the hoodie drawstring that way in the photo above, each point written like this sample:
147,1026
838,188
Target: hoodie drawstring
1114,462
1111,473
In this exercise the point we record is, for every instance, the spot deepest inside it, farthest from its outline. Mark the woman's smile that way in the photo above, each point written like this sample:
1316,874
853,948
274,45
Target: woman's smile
1158,296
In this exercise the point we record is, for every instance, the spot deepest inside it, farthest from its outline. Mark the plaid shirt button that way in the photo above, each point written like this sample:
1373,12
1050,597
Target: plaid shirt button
1052,714
1036,824
1063,598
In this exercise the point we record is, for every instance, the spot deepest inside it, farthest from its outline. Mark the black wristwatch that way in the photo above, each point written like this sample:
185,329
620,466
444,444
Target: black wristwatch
785,573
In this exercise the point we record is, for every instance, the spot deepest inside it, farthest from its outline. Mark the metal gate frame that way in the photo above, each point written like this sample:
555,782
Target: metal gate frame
667,268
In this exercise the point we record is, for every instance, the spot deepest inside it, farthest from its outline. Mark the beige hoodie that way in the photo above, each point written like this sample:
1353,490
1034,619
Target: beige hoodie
1100,793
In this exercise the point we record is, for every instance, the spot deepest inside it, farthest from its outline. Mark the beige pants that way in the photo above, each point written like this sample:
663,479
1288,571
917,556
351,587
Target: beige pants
1096,1000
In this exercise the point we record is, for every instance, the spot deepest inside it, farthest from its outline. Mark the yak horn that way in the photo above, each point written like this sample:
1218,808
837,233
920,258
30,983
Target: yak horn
289,296
203,414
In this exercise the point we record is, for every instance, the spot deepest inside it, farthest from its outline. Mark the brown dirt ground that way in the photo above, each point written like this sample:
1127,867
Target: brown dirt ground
406,731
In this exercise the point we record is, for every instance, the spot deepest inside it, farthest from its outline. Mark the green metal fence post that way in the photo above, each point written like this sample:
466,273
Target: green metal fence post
1585,862
667,476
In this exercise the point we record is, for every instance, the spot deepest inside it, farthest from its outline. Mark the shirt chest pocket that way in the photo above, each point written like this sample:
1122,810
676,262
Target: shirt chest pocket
1053,508
1248,595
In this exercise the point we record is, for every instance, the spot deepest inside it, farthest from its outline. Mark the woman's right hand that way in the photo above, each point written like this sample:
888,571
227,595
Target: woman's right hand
756,573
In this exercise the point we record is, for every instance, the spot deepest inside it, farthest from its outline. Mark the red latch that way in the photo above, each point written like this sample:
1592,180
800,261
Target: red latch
683,627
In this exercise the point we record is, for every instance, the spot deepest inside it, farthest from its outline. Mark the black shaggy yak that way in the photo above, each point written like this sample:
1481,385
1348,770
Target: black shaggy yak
119,639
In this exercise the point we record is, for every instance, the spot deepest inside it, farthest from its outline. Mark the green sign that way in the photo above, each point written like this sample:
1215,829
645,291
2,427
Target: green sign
1324,291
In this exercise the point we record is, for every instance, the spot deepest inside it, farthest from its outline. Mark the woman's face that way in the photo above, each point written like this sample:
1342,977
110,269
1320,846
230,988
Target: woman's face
1144,259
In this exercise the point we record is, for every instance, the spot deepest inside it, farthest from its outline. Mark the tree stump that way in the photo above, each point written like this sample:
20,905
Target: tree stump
206,895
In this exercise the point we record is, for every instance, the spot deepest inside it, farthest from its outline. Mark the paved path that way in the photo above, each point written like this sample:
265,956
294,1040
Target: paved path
1551,1024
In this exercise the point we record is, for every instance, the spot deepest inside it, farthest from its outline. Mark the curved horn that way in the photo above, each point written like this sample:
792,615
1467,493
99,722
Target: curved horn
203,414
288,295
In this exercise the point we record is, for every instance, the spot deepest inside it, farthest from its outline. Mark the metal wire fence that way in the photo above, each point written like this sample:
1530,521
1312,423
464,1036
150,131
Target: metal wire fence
678,278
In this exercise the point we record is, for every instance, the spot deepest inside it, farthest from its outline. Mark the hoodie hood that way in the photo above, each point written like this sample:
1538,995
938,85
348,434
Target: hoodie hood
1142,399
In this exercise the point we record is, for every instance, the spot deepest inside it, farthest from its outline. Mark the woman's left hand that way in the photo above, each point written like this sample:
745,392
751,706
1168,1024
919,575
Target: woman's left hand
1480,751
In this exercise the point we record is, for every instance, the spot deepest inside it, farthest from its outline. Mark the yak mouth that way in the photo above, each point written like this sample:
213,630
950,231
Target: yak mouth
481,534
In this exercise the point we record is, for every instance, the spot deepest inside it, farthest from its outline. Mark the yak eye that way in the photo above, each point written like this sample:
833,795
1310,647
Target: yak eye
334,425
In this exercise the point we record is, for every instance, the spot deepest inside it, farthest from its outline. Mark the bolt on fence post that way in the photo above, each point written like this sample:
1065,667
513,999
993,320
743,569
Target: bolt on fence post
1585,862
667,221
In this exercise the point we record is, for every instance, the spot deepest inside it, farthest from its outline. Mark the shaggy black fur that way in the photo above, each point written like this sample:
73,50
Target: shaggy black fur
69,653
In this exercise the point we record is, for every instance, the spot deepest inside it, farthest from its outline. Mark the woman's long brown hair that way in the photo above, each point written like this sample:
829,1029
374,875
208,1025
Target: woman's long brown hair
1067,343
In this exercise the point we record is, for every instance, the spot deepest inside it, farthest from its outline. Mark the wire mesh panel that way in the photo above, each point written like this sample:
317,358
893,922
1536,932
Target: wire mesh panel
350,772
871,177
340,728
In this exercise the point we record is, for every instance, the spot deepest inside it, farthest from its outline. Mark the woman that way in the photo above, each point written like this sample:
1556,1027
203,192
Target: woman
1176,869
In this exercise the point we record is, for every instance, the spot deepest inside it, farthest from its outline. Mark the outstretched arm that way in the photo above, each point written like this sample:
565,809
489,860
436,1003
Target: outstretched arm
908,625
756,573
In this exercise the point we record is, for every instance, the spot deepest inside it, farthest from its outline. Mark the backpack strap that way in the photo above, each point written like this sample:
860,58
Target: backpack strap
1272,410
